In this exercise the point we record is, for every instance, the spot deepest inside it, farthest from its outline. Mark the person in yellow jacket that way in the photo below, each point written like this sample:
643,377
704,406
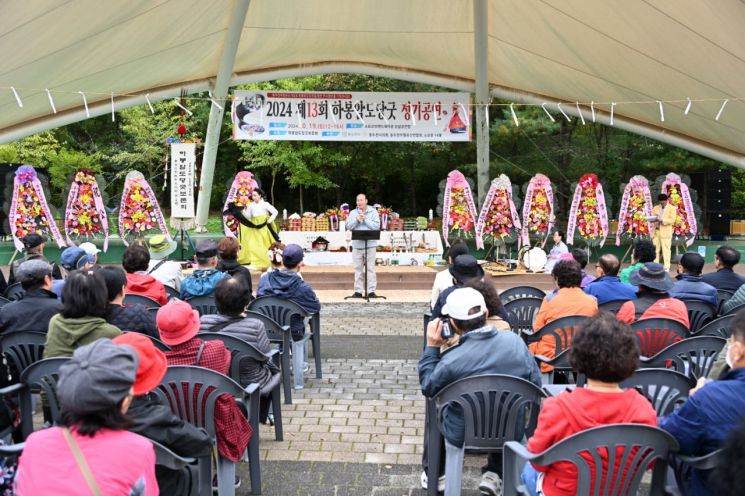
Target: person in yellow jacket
662,234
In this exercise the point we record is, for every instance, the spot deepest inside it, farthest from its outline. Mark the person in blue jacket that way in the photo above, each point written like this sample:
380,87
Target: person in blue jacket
690,284
712,411
608,286
288,284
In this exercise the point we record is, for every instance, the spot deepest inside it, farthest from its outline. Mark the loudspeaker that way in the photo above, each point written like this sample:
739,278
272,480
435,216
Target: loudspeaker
719,223
718,190
718,204
7,172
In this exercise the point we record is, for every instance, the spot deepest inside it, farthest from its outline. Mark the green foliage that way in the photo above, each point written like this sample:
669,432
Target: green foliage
62,166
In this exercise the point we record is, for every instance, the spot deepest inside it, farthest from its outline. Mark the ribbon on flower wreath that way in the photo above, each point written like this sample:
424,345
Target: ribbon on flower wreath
333,219
81,178
673,179
455,180
588,180
536,182
127,224
240,194
640,184
499,183
28,196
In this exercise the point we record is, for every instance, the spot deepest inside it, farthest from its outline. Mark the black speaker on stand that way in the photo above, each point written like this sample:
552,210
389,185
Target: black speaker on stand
718,202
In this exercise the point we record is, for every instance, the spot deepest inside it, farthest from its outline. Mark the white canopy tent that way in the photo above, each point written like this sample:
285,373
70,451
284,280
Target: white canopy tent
647,56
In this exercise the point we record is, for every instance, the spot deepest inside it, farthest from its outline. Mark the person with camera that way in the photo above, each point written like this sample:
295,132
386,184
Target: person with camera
481,350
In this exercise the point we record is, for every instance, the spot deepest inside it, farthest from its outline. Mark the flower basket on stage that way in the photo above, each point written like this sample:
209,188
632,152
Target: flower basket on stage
499,223
239,194
538,209
458,211
636,207
85,215
588,216
29,212
685,227
139,211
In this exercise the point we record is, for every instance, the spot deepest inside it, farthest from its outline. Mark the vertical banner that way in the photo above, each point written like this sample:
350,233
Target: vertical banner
183,160
351,116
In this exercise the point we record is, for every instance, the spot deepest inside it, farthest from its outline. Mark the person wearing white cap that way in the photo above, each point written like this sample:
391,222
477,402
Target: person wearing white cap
481,350
92,252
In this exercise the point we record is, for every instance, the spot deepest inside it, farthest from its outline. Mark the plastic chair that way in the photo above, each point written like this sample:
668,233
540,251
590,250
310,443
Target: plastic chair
280,335
241,350
11,450
612,306
426,317
652,335
723,295
142,300
156,342
191,393
632,448
496,409
171,293
521,313
521,292
699,314
21,349
3,301
702,463
734,311
664,388
14,292
205,305
281,311
718,327
164,457
692,357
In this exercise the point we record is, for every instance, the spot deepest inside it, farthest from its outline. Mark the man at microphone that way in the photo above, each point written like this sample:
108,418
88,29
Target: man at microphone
364,218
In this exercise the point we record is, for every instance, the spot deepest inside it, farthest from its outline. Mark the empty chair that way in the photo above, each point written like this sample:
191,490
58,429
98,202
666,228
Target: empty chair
241,350
513,404
521,292
665,389
692,357
718,327
191,393
699,314
205,305
142,300
280,335
15,291
655,334
521,313
638,448
21,349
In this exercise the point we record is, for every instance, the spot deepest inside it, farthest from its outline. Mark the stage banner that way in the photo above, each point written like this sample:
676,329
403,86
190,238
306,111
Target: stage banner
183,160
351,116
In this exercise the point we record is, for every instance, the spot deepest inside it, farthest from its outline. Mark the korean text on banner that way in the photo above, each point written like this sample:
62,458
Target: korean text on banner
183,159
351,116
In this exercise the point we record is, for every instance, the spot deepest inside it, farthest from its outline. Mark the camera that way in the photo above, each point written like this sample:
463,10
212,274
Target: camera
447,331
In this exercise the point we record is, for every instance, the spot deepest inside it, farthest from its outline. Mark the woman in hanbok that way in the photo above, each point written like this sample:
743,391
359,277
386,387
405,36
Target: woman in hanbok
257,232
556,252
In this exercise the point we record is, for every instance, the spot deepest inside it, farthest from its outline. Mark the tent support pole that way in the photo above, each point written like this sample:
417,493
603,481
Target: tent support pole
220,90
481,58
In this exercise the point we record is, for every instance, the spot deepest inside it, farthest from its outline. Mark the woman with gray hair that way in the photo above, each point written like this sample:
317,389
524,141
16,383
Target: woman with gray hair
91,448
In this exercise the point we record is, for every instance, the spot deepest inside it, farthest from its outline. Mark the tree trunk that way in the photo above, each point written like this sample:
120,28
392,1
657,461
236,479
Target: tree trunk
274,179
301,200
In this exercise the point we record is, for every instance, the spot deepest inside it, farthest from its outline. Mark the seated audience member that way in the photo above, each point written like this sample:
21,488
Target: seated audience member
205,277
653,298
178,324
580,256
712,411
275,258
127,317
154,420
608,286
494,305
92,251
95,393
568,300
689,285
606,352
444,279
463,269
482,350
33,245
735,301
227,250
72,258
728,479
232,297
166,271
81,317
644,252
135,262
725,259
288,284
33,311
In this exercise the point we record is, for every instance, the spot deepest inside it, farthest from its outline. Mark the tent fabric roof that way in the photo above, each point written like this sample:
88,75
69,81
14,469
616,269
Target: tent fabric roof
633,52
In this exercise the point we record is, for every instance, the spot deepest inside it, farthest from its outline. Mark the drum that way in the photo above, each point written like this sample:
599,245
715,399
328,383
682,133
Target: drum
534,259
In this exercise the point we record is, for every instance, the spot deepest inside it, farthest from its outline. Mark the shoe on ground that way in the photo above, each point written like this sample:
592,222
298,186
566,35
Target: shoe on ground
357,295
306,368
490,484
440,482
372,295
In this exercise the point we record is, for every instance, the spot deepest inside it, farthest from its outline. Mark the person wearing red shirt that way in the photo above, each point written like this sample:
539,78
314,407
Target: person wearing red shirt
605,350
653,299
135,262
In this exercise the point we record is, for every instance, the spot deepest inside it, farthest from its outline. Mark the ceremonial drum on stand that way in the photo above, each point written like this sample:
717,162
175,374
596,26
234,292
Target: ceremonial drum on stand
533,259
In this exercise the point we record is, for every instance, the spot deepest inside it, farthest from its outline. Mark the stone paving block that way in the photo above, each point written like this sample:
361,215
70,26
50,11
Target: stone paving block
369,448
360,438
380,458
315,456
324,436
399,448
344,428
